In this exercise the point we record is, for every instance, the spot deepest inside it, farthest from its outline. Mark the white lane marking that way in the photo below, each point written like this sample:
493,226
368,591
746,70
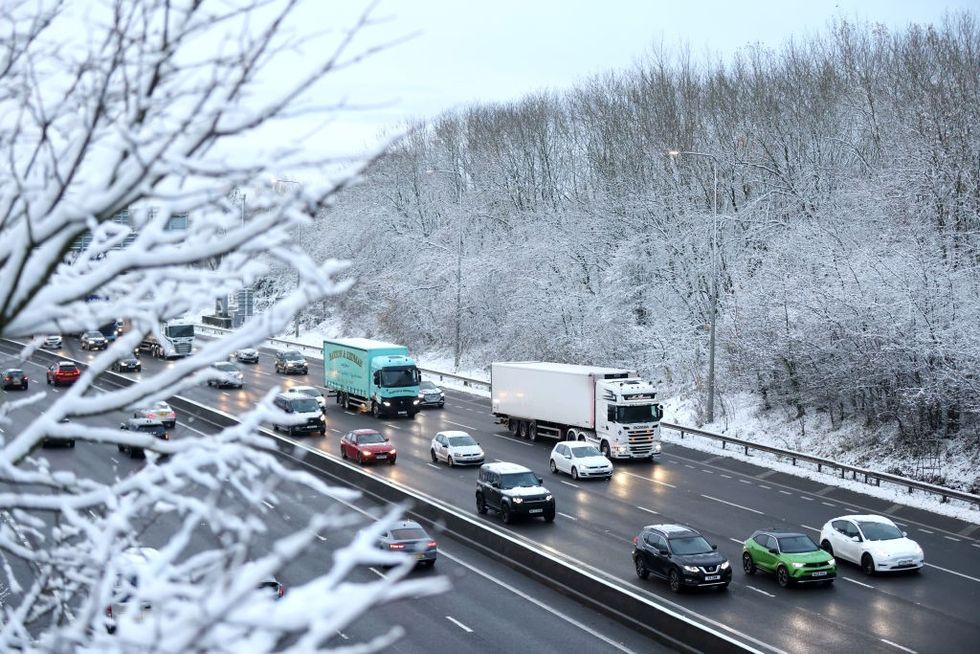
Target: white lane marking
904,649
855,581
688,465
390,426
708,471
570,517
926,531
737,506
643,508
113,459
512,440
785,492
459,624
377,572
953,572
656,481
735,540
765,487
745,481
759,590
92,513
336,431
855,511
432,465
270,505
952,538
568,483
975,545
808,499
726,476
809,527
343,635
828,504
320,538
350,413
458,424
527,598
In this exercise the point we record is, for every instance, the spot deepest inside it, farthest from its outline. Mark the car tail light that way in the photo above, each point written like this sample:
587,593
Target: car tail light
396,546
636,540
166,436
281,591
432,545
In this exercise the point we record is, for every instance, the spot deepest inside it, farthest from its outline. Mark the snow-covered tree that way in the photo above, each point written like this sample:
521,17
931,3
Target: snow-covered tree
156,110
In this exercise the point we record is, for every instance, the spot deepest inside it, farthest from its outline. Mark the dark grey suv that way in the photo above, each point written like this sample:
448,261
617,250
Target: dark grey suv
681,556
291,361
513,490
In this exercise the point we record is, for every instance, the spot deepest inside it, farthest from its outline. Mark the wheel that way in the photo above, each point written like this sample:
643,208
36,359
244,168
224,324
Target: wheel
674,581
441,405
120,447
139,368
827,547
360,461
432,453
343,453
449,460
867,564
575,473
71,444
481,506
275,427
570,435
748,565
554,468
782,576
290,429
532,431
391,461
549,517
641,568
604,447
375,410
323,433
48,379
512,426
506,515
522,429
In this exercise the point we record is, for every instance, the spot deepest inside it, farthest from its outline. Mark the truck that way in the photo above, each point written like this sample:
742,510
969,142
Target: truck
612,408
178,340
368,375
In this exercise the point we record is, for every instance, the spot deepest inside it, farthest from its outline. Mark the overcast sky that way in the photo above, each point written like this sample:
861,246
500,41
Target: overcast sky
468,51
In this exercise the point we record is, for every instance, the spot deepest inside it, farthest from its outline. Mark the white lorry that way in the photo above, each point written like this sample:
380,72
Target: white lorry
178,340
610,407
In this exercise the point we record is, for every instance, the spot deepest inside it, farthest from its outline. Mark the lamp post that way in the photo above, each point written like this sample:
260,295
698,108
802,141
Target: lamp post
712,320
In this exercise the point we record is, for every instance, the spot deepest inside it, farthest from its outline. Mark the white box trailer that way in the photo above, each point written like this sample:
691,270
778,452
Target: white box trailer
611,407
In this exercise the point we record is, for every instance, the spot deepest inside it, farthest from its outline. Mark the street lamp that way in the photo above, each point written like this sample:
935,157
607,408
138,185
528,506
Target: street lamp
712,321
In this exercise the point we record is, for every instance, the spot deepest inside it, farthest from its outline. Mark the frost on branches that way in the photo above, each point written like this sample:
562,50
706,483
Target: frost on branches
158,108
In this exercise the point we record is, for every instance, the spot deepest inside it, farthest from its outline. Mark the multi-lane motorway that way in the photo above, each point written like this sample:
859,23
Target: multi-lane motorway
936,610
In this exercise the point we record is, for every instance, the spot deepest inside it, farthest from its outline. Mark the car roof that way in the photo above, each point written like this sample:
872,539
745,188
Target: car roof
406,524
453,432
361,432
575,444
93,332
13,370
505,467
866,518
674,530
297,389
779,534
290,352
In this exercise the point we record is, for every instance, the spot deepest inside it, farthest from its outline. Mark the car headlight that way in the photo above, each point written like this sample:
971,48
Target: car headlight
366,453
690,568
518,500
323,418
724,565
386,403
798,565
393,452
831,561
548,498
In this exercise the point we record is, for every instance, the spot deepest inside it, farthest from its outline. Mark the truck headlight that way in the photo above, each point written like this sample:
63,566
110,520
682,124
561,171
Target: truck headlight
623,449
656,448
386,403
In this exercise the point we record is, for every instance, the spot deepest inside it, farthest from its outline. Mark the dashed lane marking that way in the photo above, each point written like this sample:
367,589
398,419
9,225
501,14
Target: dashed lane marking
763,486
926,531
735,540
952,538
759,590
809,527
831,504
269,504
737,506
688,465
377,572
336,431
785,492
656,481
432,465
726,476
904,649
391,426
459,424
459,624
745,481
953,572
643,508
570,517
710,472
808,499
859,583
568,483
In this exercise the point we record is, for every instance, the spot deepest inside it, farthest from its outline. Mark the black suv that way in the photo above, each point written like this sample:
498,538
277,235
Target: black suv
93,340
513,490
304,407
144,426
680,555
290,361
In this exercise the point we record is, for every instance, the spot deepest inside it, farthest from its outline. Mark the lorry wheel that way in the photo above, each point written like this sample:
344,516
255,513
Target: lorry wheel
512,426
532,431
570,435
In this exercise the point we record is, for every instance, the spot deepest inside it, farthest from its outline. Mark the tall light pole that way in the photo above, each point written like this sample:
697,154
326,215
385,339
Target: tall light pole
712,320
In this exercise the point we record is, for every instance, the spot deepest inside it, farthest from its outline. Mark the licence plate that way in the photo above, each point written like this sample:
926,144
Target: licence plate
403,413
536,511
905,562
420,556
712,577
822,573
381,456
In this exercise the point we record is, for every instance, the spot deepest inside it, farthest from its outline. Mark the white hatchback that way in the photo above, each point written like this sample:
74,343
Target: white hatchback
871,541
456,448
580,460
309,391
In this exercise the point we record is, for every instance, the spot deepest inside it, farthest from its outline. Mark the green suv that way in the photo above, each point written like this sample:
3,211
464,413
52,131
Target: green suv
794,558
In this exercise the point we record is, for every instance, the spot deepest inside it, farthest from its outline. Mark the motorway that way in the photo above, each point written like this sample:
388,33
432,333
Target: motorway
490,608
935,610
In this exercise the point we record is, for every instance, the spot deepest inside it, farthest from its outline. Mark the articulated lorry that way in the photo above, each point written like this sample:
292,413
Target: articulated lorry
368,375
178,340
612,408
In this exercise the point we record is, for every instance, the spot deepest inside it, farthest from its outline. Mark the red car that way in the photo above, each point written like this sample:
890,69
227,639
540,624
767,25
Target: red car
367,446
63,372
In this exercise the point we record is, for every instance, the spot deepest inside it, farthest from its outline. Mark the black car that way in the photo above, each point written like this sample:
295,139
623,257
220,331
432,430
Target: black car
94,340
50,440
14,378
513,490
145,426
431,395
682,556
291,361
127,364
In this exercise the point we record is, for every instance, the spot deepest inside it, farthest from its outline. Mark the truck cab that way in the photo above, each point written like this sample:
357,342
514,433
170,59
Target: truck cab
626,410
395,385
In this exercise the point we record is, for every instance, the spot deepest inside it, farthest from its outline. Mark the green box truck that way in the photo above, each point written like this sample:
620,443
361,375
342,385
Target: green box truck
368,375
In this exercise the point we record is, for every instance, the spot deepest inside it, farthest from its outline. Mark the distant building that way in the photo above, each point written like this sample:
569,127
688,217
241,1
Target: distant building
176,222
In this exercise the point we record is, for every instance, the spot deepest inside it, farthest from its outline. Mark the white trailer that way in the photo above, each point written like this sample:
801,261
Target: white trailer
612,408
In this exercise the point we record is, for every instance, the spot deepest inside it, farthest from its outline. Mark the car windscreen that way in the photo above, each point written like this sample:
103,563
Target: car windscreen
398,377
879,531
408,533
689,545
461,441
93,335
304,404
13,372
292,355
428,386
579,452
368,439
309,392
797,544
518,479
226,367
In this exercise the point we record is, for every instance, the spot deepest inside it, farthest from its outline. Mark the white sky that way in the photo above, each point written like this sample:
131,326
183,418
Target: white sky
497,50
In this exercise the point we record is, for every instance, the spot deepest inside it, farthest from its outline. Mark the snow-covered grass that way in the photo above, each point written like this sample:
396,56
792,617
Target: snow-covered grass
741,416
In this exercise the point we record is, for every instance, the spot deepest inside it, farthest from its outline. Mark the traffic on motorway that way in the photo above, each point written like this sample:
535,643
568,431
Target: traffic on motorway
682,545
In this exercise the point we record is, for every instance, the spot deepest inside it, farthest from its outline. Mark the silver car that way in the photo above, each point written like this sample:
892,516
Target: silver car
409,537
